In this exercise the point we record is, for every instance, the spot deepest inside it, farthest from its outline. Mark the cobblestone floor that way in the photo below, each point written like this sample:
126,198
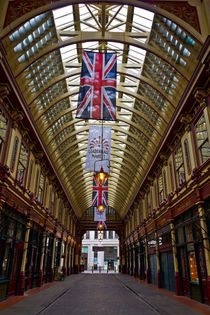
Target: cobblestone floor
103,294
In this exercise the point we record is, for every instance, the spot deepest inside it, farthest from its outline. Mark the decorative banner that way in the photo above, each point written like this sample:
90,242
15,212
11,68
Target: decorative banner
100,194
99,216
95,158
97,94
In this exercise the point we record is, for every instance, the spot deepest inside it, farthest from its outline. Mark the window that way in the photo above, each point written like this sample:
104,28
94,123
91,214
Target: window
187,155
96,235
22,163
41,188
171,175
149,202
104,235
87,235
37,181
3,129
85,249
165,184
14,153
110,234
179,164
52,201
202,139
160,188
30,174
60,210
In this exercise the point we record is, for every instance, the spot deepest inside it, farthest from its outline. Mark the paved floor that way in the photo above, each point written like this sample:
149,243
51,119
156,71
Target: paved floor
102,294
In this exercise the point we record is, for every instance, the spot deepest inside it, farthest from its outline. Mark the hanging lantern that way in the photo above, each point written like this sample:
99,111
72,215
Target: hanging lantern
101,208
101,177
100,225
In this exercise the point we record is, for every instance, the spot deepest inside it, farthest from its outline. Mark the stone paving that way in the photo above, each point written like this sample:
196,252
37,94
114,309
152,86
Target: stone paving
103,294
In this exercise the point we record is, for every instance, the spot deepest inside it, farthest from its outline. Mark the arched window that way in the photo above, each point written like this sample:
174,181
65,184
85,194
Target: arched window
179,164
171,175
22,164
3,129
202,140
14,153
187,154
165,184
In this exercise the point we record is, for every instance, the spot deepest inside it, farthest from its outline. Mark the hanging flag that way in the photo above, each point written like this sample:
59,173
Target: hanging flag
100,194
97,94
95,158
99,216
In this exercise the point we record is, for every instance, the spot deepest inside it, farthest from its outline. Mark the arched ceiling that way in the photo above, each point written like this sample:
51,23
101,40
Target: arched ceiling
156,57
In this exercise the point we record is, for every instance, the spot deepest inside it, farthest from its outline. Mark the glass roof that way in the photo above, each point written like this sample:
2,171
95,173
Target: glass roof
153,68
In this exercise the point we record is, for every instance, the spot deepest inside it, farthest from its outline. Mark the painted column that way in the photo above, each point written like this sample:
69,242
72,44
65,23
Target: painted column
21,287
206,244
147,262
53,258
158,261
65,259
72,260
176,266
42,259
139,259
69,260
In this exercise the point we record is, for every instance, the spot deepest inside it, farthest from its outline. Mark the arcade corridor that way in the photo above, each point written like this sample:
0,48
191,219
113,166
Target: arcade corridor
87,294
105,127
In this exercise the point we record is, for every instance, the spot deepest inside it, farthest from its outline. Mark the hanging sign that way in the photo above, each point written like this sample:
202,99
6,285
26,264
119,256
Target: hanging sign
99,216
98,151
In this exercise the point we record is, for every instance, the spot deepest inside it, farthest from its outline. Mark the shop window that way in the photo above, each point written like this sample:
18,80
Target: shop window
105,235
187,155
87,235
171,175
193,267
202,140
41,188
5,261
3,129
22,164
160,188
202,263
30,173
96,235
179,164
110,234
14,154
116,236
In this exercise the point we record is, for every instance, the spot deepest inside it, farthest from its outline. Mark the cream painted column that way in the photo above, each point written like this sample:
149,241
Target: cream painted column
42,259
175,259
21,287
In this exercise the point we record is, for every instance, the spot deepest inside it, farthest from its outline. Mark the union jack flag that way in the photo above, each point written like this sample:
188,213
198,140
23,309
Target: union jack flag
100,194
97,94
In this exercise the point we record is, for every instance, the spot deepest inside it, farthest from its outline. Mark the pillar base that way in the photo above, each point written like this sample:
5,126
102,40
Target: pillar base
40,278
177,283
21,287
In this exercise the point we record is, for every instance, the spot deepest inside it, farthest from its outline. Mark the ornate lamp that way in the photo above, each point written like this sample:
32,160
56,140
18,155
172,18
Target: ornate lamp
101,208
101,177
